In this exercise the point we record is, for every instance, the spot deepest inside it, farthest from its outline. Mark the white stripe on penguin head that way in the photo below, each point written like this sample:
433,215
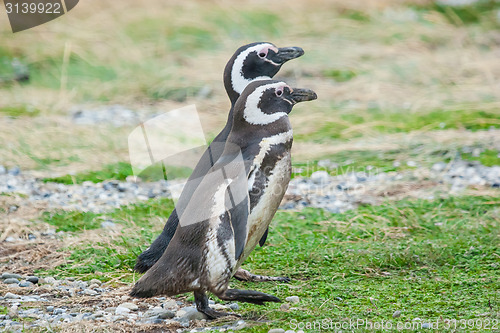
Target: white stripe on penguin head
238,80
253,114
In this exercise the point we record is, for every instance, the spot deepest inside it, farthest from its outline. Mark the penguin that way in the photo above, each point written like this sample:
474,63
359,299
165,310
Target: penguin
251,62
233,204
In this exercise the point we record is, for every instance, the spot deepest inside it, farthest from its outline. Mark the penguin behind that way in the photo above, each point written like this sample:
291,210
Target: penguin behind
256,61
220,226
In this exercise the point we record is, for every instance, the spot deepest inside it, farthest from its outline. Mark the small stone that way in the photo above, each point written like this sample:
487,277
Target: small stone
411,164
320,177
50,308
170,304
49,280
15,171
160,313
293,299
396,314
276,330
108,225
120,310
11,296
32,279
426,325
190,313
438,167
11,281
58,311
3,170
285,307
95,281
25,284
10,276
90,292
130,306
234,306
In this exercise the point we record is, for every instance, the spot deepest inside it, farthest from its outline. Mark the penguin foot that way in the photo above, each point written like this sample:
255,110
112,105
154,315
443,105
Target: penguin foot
248,296
202,306
244,275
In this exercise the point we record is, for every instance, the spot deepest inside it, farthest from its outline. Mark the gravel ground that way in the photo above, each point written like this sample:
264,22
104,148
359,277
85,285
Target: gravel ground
336,194
31,302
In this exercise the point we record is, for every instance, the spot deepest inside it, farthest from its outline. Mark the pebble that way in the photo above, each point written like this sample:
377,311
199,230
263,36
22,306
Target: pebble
122,310
276,330
10,276
234,306
320,177
160,313
90,292
285,307
130,306
293,299
190,313
32,279
11,281
25,284
11,296
396,314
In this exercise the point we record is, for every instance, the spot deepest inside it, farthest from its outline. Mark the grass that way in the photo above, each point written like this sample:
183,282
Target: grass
19,111
473,13
120,171
347,161
488,157
427,259
352,124
143,220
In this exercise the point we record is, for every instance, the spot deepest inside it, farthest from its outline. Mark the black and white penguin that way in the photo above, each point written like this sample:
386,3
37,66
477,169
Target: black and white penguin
256,61
233,205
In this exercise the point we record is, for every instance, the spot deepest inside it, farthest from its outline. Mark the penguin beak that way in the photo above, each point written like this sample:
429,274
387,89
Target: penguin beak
288,53
301,95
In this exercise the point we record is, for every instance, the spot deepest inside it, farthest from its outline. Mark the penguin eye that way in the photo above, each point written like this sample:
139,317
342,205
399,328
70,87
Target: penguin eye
263,53
279,92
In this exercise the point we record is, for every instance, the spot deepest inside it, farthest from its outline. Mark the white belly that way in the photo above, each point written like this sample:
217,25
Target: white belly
262,214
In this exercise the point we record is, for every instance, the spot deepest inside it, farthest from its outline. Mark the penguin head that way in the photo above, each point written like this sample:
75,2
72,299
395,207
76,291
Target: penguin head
256,61
266,101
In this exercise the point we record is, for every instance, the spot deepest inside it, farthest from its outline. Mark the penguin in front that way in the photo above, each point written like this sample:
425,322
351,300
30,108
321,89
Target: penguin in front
256,61
233,205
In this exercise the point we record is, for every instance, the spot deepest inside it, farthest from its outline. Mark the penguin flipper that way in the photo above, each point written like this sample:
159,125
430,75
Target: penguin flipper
264,237
239,216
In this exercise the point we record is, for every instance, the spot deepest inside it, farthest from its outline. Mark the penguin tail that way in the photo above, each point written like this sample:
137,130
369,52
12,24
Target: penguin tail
149,257
140,292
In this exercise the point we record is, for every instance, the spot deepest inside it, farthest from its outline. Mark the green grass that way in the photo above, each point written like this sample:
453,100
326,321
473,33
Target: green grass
382,121
120,171
480,11
354,161
427,259
119,254
340,75
19,111
488,157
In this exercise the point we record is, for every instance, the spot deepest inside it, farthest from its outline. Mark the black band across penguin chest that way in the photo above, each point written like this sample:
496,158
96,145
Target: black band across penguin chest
260,174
